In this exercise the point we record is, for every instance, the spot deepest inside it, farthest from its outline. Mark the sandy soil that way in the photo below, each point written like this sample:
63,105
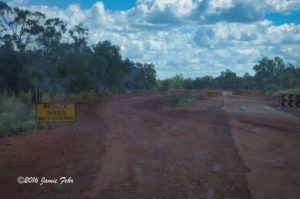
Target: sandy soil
140,146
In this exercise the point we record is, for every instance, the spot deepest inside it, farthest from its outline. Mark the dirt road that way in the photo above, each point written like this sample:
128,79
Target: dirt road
141,147
269,142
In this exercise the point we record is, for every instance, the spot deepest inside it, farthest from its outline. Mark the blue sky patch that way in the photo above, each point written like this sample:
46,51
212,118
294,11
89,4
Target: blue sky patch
109,4
281,18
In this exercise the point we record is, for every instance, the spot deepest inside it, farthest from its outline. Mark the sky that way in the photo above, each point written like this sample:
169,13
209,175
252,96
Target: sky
189,37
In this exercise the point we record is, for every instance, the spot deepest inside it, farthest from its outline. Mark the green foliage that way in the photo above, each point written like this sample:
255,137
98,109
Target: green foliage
35,57
274,74
14,142
176,82
92,94
287,91
227,80
270,75
15,115
183,100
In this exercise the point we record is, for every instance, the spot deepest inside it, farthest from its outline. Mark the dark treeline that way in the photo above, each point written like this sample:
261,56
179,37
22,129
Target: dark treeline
270,75
40,54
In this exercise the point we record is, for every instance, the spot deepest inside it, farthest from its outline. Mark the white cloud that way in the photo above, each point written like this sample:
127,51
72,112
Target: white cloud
18,2
193,38
75,15
216,5
283,5
179,7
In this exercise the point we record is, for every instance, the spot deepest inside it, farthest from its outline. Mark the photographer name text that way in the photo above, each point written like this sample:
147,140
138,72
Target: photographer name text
43,180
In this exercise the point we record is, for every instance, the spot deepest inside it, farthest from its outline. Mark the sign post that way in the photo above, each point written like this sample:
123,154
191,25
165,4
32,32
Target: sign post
35,126
48,113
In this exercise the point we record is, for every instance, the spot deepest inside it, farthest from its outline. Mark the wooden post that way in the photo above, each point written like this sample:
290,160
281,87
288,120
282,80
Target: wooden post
35,126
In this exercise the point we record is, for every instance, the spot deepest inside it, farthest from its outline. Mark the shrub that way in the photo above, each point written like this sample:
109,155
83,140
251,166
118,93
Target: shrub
92,94
15,115
183,100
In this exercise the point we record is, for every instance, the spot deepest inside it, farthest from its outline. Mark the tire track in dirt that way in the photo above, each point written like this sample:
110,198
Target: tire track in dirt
131,147
168,154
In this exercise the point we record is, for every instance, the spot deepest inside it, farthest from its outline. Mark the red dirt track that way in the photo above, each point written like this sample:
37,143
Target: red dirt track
139,146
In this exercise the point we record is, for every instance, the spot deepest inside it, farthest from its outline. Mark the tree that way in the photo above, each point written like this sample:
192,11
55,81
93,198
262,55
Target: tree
130,77
246,82
265,74
176,82
42,54
18,26
207,82
12,72
79,34
53,30
113,71
228,80
149,74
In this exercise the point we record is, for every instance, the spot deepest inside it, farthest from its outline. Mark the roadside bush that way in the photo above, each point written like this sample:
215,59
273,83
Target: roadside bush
183,100
15,116
92,94
288,91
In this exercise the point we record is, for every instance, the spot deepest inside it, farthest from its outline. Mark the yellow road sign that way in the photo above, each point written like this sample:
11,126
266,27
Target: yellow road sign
290,100
55,113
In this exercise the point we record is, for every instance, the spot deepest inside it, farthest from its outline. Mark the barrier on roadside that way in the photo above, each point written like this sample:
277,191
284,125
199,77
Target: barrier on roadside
290,100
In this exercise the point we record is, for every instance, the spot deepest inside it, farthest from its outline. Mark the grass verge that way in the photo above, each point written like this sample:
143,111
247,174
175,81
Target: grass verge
183,100
15,115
